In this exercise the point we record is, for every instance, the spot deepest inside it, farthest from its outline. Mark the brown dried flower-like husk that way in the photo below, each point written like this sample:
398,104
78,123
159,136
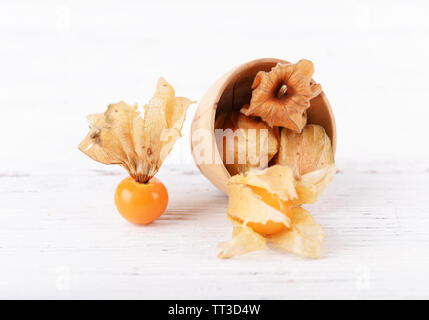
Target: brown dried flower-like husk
249,150
121,136
282,96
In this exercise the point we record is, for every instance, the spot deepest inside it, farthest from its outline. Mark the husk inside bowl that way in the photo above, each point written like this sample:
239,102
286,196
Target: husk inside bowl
231,92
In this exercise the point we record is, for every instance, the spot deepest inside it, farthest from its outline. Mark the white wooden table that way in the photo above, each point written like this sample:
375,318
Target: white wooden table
60,234
61,237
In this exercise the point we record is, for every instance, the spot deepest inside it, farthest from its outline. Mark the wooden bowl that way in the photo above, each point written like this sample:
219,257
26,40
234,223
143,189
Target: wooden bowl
232,91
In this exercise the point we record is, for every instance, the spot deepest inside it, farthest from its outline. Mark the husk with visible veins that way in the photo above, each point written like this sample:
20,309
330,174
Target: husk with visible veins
311,158
248,149
140,145
245,206
302,236
312,184
305,152
248,207
282,96
277,179
244,240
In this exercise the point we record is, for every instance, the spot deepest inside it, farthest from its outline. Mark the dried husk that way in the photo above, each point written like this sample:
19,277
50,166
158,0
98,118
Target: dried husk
277,179
312,184
140,145
301,170
305,152
244,240
301,236
254,143
248,207
311,158
282,96
304,237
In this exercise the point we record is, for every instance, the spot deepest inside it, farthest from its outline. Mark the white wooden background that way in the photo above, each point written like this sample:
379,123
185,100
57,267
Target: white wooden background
60,235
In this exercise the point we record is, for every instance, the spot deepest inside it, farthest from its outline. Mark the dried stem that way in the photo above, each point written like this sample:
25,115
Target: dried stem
282,91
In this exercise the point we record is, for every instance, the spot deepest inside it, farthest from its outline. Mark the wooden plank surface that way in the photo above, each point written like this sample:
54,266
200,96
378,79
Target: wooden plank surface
62,238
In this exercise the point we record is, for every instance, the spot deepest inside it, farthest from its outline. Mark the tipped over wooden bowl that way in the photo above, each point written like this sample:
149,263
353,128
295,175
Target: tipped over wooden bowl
231,92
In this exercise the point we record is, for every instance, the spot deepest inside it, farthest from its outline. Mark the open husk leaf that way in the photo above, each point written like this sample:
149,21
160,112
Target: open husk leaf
312,184
244,240
277,179
248,207
245,142
140,145
301,235
304,237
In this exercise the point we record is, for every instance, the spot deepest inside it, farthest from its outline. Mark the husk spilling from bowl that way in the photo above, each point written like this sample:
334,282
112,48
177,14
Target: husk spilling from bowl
265,200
